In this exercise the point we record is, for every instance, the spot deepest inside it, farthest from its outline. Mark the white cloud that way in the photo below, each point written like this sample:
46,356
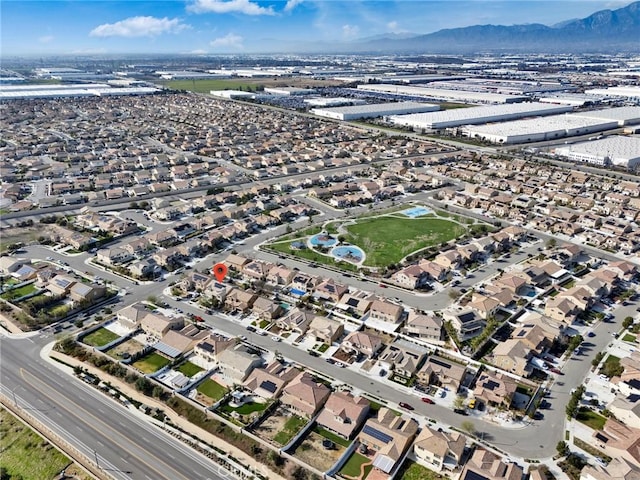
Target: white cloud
231,40
392,26
291,4
139,27
46,39
229,6
350,31
199,51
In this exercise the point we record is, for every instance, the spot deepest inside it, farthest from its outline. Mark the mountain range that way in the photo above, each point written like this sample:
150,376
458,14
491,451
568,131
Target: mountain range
604,31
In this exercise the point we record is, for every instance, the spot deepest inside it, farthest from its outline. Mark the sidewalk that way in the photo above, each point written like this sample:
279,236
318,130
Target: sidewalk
240,456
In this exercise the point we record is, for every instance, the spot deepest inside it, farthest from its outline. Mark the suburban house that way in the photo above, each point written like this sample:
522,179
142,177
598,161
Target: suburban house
627,410
267,309
561,309
330,290
443,372
486,465
240,300
158,325
439,449
343,413
296,321
236,262
511,355
280,275
210,347
257,269
84,292
325,330
495,389
236,363
179,342
425,327
304,395
131,315
618,468
384,311
388,435
466,322
361,343
60,284
619,440
485,306
402,358
269,381
355,303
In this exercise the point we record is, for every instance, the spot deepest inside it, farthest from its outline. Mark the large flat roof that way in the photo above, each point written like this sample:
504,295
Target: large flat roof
537,125
381,107
624,115
442,93
619,147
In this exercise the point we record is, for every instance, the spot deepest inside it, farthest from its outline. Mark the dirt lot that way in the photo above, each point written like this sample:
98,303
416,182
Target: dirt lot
312,452
13,235
273,424
130,347
203,399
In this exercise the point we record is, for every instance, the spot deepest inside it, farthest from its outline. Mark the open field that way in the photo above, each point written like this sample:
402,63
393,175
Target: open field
246,84
10,236
388,239
25,454
100,337
130,346
312,452
152,362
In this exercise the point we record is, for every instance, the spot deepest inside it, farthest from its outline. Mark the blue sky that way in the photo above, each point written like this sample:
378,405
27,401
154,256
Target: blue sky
42,27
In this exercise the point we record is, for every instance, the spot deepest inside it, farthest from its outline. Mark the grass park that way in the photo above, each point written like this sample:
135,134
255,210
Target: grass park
152,362
100,337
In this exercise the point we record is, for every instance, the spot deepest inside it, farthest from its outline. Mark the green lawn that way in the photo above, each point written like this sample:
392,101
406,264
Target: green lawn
323,348
591,419
352,467
205,86
629,338
25,454
245,409
338,440
19,292
413,471
152,362
212,389
387,240
290,429
100,337
189,369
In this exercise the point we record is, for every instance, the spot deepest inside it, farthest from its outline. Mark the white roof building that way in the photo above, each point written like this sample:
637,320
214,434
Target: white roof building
476,115
616,150
444,94
536,129
623,115
374,110
632,92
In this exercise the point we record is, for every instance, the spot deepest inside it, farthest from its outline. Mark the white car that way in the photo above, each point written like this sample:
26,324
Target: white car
276,339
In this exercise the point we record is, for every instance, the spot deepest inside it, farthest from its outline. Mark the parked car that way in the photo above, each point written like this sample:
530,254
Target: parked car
427,400
251,328
382,285
591,334
330,360
406,406
276,339
460,411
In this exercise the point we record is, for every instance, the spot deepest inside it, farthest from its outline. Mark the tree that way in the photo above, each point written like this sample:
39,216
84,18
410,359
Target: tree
468,427
454,294
458,402
627,322
551,243
562,448
597,359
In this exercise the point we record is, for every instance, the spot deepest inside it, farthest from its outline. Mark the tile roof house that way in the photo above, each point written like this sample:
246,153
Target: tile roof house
483,305
617,469
179,342
385,311
343,413
439,449
356,303
425,327
83,292
619,440
304,395
511,355
267,309
131,315
269,381
158,325
236,363
389,436
441,371
495,388
361,343
486,465
325,330
238,299
401,359
330,290
296,320
280,275
212,346
60,284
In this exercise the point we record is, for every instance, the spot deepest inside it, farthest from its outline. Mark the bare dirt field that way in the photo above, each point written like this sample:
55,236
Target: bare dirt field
312,452
273,424
130,346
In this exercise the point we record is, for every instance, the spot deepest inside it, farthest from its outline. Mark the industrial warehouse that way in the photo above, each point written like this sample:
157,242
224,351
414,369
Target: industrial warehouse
374,110
615,150
475,115
444,95
16,92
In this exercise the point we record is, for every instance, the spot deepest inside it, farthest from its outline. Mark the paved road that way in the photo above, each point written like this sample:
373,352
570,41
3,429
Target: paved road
127,446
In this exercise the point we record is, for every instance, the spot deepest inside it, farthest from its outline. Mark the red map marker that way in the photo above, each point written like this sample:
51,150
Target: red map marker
220,271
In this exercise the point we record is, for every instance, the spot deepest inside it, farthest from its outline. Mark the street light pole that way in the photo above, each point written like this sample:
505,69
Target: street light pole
95,455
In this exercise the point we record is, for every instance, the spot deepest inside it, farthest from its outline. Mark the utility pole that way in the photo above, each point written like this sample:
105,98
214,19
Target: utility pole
95,455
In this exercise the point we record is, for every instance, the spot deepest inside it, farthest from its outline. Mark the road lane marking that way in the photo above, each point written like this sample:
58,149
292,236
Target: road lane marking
107,426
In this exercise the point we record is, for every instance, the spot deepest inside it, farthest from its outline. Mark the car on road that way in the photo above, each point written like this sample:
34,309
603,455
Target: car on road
406,406
556,370
276,339
460,411
243,338
330,360
538,416
382,285
427,400
591,334
251,328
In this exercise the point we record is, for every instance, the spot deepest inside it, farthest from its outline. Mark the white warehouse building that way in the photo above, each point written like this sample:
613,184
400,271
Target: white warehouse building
476,115
442,94
538,129
615,150
374,110
289,91
623,115
629,91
